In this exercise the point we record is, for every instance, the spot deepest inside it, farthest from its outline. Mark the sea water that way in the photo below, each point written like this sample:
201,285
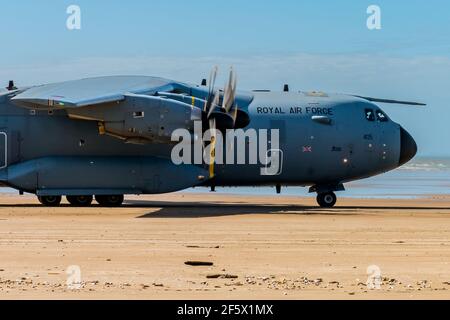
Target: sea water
421,177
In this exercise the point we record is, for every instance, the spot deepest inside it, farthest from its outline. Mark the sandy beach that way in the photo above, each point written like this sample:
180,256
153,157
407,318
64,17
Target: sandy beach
271,247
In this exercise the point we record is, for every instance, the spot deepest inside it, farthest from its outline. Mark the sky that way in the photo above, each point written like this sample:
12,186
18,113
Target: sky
312,45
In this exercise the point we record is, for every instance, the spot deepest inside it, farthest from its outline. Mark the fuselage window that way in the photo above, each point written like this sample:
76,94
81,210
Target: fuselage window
381,116
370,116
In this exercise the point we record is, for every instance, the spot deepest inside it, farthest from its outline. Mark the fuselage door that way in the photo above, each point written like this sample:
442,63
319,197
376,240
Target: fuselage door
3,149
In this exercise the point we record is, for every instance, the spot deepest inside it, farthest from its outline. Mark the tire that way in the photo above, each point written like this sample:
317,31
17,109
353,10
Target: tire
327,200
80,201
50,201
110,201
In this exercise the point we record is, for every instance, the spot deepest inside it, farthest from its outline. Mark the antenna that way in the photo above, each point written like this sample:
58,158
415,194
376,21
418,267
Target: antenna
11,85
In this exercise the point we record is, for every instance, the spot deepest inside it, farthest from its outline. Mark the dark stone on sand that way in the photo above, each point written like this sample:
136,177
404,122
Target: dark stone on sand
198,263
221,276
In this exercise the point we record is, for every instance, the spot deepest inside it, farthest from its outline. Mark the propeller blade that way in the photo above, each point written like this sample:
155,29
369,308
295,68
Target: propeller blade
214,104
212,159
230,91
212,79
212,83
234,112
212,127
391,101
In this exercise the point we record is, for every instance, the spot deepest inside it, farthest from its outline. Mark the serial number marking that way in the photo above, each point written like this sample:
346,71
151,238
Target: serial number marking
236,310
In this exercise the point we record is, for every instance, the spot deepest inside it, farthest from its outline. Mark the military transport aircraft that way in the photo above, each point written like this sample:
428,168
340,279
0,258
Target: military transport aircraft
111,136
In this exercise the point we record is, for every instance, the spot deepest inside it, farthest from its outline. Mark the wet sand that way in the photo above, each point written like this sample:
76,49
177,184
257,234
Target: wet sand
261,248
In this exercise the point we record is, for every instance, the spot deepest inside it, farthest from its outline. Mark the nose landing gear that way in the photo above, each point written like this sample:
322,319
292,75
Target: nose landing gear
327,200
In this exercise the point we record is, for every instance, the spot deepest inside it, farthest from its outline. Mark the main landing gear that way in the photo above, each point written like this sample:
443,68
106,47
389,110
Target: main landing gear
50,201
327,199
83,201
109,201
80,201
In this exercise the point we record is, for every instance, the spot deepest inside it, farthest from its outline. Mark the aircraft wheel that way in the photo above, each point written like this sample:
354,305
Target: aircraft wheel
80,201
327,200
110,201
50,201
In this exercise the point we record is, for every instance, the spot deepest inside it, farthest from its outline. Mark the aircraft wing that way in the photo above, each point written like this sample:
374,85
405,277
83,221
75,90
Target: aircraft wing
92,91
135,109
389,101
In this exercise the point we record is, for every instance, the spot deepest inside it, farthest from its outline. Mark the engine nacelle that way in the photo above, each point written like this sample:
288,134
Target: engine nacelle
141,119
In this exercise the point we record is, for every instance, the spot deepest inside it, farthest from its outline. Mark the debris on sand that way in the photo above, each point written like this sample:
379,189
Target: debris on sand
200,247
362,284
221,276
199,263
424,284
158,285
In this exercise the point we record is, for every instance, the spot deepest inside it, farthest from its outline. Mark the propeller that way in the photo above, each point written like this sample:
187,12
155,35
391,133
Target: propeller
221,112
223,108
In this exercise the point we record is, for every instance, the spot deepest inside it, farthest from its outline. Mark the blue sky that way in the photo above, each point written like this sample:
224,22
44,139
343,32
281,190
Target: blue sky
320,45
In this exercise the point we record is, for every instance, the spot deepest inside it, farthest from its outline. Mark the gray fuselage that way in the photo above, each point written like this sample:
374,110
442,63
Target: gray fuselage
48,153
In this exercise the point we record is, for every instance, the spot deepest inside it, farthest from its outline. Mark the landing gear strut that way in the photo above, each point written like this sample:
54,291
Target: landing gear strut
80,201
50,201
110,201
327,200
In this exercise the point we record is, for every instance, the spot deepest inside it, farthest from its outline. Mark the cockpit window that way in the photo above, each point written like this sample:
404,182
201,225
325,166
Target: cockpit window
381,116
370,115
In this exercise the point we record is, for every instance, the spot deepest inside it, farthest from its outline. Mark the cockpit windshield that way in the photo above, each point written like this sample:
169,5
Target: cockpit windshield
376,115
370,115
381,116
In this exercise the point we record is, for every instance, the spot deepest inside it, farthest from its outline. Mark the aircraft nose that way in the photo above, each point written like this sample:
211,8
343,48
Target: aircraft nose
408,147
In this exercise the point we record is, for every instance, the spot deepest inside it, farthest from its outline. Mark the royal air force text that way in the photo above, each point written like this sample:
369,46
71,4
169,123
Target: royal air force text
316,111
